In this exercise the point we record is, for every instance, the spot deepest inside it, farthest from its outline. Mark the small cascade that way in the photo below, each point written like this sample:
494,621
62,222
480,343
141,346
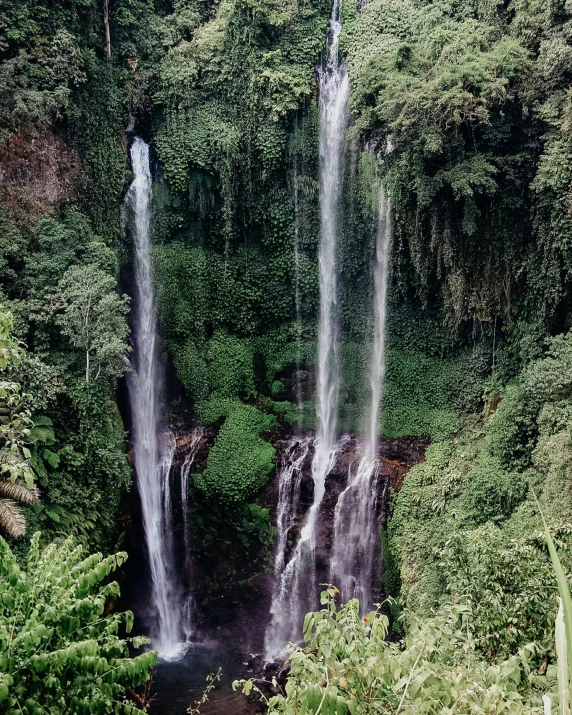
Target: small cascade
355,548
153,453
197,438
284,619
195,444
167,446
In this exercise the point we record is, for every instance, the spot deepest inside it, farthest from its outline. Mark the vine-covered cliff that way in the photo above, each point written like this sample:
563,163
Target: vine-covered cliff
461,110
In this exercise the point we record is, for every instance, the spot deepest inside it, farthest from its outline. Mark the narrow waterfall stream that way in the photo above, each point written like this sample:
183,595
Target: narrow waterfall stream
153,454
285,611
296,589
356,537
197,437
334,93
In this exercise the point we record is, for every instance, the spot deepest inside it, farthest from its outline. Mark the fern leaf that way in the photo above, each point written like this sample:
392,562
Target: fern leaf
24,493
11,518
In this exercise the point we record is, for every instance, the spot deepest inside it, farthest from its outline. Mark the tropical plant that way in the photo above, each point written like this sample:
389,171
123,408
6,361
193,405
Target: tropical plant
563,630
16,425
348,666
60,646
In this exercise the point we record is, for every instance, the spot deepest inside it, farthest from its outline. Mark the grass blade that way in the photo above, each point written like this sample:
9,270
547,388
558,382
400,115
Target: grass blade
564,590
562,662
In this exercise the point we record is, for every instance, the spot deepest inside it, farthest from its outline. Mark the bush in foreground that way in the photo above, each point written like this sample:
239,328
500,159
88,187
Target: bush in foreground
60,650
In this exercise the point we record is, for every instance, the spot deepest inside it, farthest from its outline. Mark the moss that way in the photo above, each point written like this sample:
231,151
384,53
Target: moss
240,461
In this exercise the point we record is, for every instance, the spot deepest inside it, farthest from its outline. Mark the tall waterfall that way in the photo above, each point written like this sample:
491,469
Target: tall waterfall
297,579
334,90
153,455
356,537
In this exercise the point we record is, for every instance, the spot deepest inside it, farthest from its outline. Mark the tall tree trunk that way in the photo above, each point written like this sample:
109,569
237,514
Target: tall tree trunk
106,25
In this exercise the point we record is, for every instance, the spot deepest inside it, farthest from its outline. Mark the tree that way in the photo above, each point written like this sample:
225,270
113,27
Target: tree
93,317
60,651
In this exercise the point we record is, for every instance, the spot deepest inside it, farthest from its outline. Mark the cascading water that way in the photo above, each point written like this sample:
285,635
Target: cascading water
296,590
356,538
197,437
334,89
153,456
284,618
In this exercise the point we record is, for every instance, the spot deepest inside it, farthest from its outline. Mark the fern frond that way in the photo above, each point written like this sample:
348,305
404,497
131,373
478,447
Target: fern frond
7,457
24,493
11,518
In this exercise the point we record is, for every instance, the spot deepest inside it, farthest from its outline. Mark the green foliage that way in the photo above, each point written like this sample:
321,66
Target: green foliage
60,648
484,477
239,462
509,584
24,440
348,666
93,318
15,417
83,489
472,98
62,268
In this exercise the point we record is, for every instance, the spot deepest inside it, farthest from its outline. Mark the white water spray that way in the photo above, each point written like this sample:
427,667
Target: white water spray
284,613
153,456
356,537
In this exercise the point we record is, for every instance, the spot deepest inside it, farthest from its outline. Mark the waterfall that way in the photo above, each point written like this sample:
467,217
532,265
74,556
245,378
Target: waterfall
153,455
356,537
194,446
286,613
296,584
334,90
197,437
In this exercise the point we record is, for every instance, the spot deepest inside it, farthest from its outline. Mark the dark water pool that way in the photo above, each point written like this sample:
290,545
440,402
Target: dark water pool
176,686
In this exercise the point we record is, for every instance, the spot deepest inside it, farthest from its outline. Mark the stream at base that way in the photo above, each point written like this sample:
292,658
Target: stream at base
176,686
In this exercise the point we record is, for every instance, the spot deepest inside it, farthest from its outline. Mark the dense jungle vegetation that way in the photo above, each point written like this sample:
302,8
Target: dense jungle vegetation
463,108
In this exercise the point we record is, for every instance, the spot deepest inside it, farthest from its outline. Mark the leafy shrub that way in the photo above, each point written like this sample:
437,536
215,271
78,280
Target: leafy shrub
509,584
348,666
240,461
60,650
492,493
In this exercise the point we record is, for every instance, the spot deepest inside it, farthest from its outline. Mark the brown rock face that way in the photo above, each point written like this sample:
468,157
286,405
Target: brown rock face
39,165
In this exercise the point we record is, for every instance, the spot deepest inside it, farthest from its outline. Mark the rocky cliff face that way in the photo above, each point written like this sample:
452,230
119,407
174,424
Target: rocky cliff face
231,571
38,166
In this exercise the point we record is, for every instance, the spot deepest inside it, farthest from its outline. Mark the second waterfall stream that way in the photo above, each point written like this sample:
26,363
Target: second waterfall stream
296,588
355,544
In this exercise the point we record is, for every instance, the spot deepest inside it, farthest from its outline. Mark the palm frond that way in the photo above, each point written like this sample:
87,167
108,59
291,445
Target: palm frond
11,518
24,493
